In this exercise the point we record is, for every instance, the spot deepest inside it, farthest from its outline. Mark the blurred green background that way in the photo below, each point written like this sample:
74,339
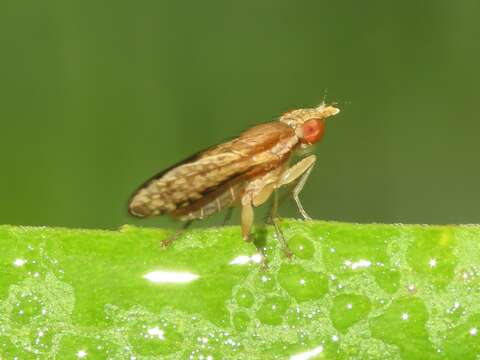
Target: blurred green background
97,96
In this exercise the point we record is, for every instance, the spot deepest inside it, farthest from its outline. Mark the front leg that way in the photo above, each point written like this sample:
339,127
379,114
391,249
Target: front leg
301,169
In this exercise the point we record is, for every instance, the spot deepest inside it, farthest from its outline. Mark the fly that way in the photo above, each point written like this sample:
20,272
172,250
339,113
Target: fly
242,172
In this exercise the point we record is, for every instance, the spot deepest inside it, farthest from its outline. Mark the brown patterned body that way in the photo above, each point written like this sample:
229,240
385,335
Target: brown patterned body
242,171
215,178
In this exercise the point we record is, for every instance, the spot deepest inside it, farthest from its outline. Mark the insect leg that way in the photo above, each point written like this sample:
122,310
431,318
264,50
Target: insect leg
275,220
301,169
278,200
228,216
247,217
280,236
256,193
165,243
262,196
272,212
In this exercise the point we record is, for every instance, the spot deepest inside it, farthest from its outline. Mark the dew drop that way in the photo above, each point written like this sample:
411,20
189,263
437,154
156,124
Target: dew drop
348,309
244,298
272,310
301,284
301,247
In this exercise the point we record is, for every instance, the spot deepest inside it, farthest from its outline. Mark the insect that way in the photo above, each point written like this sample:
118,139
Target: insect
244,172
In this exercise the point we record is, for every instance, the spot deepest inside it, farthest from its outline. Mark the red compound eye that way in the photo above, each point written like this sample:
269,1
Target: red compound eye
313,130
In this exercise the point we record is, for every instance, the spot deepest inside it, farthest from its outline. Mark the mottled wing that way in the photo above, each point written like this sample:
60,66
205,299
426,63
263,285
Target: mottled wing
214,176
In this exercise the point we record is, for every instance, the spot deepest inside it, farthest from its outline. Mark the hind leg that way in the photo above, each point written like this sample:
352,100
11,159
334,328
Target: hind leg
168,241
228,216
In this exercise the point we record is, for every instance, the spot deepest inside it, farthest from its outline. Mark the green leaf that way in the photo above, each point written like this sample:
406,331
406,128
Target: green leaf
351,291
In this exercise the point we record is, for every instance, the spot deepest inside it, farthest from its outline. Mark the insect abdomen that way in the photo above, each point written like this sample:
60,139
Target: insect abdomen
212,203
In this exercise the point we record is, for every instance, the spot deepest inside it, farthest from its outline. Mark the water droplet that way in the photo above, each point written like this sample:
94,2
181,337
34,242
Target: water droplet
301,247
244,298
394,327
28,307
432,256
387,279
151,337
301,284
358,307
240,320
85,347
272,310
462,341
264,282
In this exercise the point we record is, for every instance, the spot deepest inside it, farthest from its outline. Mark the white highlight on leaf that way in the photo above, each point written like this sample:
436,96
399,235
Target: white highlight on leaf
81,354
240,260
358,264
432,263
19,262
308,354
473,331
405,316
156,331
245,259
170,277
